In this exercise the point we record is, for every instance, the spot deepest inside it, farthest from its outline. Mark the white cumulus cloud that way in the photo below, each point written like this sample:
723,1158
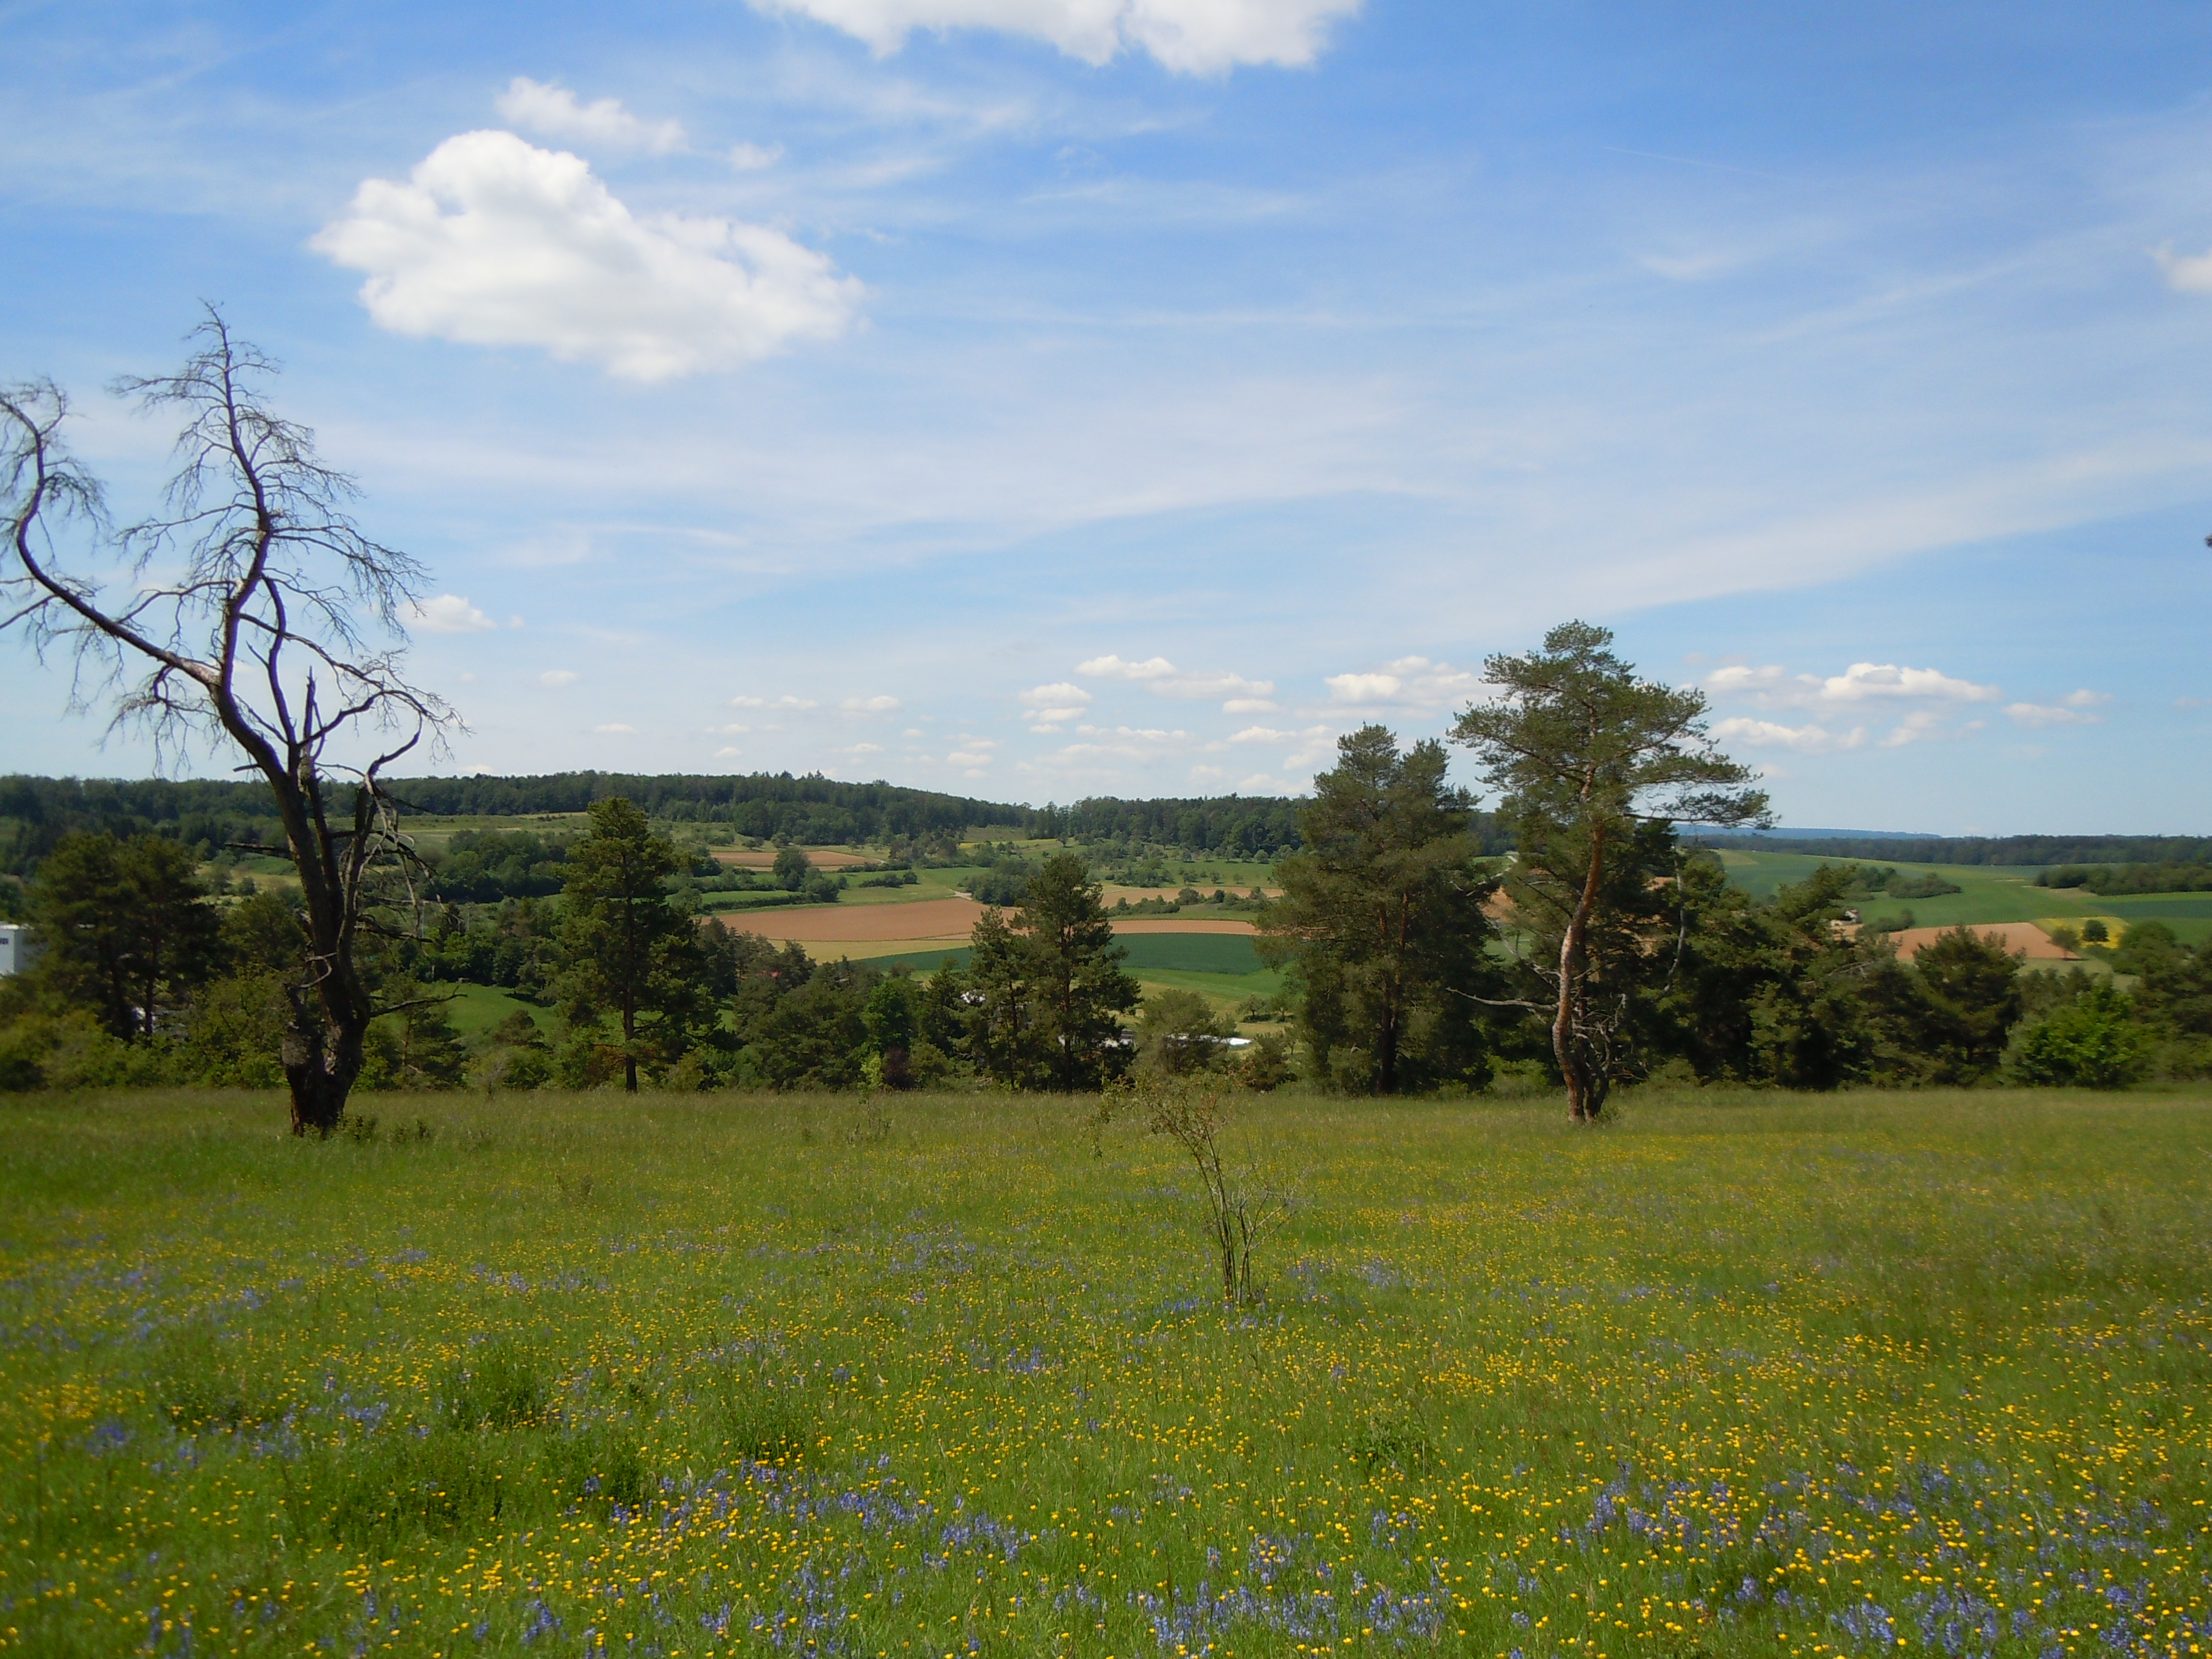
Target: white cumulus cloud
2036,714
1411,681
784,702
878,705
2186,273
1047,708
1771,734
553,112
448,613
559,676
1060,700
1921,726
752,158
1113,668
493,241
1161,677
1865,680
1191,37
616,729
1862,682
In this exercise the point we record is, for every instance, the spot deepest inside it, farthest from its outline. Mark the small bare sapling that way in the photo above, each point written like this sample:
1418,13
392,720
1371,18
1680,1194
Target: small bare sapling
1243,1206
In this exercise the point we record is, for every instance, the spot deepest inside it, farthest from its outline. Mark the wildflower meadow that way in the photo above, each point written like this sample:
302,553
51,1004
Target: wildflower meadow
924,1375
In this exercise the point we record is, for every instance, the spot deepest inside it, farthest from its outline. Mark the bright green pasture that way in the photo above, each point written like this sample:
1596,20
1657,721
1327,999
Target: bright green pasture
1227,989
1735,1375
1990,893
1216,956
475,1009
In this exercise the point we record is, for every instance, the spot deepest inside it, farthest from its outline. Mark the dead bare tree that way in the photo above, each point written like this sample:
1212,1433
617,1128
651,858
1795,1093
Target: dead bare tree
237,618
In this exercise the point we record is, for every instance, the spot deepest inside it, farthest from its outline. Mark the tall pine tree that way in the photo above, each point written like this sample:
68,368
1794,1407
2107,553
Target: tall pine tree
632,957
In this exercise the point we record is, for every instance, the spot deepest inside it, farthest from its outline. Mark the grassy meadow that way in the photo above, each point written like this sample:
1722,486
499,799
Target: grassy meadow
950,1376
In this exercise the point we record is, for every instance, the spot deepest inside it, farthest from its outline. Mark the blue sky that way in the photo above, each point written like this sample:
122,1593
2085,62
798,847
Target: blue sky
1048,397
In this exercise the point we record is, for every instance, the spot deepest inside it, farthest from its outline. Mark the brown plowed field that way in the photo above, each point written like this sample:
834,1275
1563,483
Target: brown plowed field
2017,936
924,919
1178,925
764,858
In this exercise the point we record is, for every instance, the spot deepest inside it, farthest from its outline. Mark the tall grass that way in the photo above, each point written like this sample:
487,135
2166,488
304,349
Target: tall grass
1734,1374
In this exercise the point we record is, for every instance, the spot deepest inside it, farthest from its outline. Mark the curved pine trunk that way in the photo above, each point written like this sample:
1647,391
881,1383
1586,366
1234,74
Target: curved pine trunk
1582,1101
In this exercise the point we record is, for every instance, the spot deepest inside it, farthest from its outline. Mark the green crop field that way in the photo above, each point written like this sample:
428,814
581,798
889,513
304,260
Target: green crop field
1229,991
703,1375
1226,956
1988,894
1224,967
477,1009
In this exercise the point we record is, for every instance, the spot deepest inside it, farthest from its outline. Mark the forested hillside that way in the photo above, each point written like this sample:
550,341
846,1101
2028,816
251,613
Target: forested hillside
35,813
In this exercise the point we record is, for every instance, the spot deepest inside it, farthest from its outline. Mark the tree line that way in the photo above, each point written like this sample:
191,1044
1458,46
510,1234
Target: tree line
1604,950
2103,879
258,617
35,813
1609,949
146,977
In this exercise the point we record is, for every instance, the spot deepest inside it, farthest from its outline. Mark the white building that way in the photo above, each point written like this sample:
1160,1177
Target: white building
17,947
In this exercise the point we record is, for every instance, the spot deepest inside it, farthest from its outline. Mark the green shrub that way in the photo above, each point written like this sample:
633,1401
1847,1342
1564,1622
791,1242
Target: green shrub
236,1029
2093,1043
71,1050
